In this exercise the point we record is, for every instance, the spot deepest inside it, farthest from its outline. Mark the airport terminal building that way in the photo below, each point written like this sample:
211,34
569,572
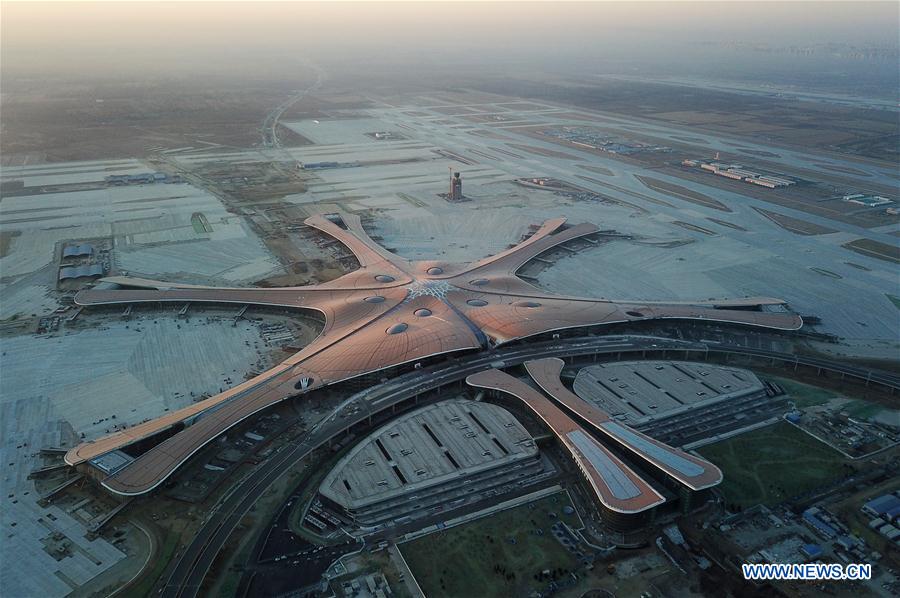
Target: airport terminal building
436,458
389,313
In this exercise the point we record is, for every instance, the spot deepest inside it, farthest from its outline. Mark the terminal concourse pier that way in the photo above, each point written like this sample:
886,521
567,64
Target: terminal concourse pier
631,474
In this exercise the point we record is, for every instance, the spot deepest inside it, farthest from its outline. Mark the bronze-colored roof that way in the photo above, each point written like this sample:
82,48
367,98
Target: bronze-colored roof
693,472
374,320
616,485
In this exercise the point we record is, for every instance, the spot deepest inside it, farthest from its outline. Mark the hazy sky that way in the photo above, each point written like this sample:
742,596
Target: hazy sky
93,38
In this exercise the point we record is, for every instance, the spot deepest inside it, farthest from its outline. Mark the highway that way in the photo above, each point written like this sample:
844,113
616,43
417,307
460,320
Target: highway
185,578
270,124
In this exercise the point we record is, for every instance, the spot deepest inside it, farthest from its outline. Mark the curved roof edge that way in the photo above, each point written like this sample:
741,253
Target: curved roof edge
670,460
615,484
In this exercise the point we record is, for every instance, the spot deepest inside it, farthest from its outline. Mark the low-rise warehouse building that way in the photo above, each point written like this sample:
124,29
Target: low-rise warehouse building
870,201
79,250
679,402
883,506
437,457
86,271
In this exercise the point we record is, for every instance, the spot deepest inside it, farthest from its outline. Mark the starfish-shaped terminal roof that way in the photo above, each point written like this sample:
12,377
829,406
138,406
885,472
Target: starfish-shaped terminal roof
388,312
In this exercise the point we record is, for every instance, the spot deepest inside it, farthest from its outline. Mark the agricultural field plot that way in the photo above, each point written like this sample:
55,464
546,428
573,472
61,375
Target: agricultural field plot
499,555
773,464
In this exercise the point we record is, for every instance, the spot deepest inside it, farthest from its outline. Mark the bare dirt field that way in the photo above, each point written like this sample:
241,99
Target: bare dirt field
795,225
6,238
90,121
694,227
635,194
876,249
844,169
540,151
683,193
869,134
252,182
728,224
488,134
322,106
597,169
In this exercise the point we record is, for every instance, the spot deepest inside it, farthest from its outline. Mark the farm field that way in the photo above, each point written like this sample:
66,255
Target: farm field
773,464
499,555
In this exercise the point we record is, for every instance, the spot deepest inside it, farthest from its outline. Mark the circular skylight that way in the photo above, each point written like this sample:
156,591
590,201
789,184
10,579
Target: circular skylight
527,304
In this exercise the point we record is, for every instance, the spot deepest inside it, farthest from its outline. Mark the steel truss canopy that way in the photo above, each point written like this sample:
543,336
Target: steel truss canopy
389,312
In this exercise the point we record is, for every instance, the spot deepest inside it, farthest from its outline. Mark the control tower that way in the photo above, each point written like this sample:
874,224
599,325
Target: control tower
455,186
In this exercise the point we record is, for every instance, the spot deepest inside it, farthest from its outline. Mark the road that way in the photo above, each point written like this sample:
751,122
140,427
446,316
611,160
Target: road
186,577
270,124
